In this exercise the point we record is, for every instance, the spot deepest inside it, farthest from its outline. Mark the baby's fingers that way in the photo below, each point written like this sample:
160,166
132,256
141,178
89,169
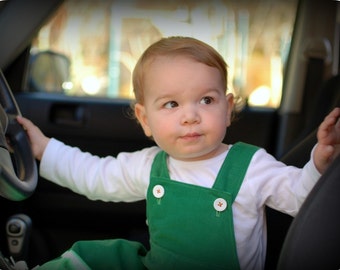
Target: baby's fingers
329,130
26,123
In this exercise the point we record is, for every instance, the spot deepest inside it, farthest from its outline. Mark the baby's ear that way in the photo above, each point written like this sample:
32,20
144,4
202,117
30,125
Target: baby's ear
143,119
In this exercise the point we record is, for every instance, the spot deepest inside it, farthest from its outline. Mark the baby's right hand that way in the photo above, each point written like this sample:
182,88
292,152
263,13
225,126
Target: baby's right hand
38,140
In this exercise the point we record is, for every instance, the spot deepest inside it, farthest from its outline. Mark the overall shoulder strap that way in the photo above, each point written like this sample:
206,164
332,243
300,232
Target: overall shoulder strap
234,168
159,166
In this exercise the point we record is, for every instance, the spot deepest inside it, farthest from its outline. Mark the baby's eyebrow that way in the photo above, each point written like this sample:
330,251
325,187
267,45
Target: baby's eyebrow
213,90
166,97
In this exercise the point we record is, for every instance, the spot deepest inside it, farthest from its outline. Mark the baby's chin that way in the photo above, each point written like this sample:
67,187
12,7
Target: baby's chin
203,154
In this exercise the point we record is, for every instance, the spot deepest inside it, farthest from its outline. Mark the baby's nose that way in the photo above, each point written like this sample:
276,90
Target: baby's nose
190,115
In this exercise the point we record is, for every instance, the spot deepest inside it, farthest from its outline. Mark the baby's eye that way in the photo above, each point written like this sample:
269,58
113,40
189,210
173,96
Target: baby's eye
207,100
170,104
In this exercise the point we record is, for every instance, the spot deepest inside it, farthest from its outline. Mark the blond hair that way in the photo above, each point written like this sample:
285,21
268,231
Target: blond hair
176,46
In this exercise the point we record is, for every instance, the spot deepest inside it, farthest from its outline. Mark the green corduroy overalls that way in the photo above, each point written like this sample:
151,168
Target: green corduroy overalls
191,227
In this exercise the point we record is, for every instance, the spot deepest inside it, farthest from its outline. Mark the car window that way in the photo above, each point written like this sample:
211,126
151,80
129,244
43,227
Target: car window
89,48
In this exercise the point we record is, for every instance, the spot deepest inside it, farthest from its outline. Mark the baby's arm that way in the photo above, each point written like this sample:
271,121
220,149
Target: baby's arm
38,140
328,147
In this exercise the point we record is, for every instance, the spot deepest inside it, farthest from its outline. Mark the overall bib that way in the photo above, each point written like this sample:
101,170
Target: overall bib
191,227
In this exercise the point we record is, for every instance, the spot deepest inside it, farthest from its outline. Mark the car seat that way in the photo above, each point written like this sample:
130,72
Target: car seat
278,223
314,234
313,239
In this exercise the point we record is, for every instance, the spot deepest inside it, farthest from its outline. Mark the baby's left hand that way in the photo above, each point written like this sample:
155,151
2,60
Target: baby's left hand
328,147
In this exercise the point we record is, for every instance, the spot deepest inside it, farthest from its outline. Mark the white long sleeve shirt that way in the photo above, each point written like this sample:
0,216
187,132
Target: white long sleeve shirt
126,178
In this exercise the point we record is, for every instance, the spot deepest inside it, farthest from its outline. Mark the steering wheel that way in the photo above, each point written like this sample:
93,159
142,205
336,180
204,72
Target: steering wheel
18,168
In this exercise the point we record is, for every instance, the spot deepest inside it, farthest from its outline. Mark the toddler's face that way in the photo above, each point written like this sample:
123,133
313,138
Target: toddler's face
185,108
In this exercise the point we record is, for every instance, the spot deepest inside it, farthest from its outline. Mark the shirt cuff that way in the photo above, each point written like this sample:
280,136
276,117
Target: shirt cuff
48,157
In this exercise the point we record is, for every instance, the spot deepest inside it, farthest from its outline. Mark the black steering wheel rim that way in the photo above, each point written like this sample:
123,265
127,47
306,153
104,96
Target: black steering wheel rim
18,169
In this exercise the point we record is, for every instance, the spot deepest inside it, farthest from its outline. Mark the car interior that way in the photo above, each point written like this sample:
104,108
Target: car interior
40,220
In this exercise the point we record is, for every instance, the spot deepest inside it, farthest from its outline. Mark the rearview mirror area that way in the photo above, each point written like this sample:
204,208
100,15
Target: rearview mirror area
49,71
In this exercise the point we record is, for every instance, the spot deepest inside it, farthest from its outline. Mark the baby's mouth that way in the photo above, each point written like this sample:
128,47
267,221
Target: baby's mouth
189,136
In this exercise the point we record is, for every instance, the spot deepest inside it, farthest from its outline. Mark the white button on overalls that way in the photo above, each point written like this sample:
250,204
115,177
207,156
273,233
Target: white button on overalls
158,191
220,204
